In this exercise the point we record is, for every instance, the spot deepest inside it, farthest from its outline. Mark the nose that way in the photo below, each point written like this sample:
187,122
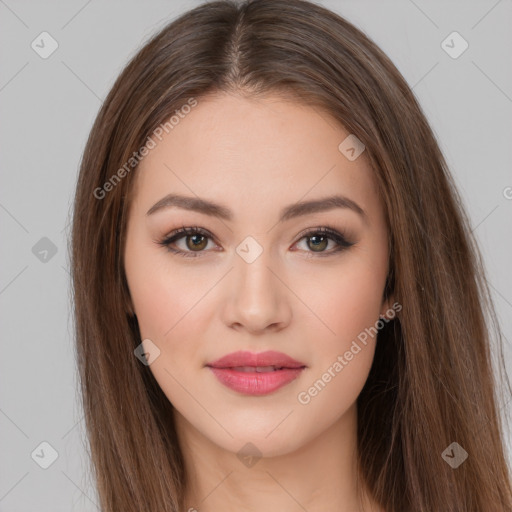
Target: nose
258,299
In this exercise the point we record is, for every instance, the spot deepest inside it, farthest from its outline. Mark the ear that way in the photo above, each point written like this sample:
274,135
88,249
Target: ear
130,311
129,306
389,308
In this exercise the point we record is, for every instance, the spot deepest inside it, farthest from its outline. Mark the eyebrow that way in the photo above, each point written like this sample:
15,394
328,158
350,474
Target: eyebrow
289,212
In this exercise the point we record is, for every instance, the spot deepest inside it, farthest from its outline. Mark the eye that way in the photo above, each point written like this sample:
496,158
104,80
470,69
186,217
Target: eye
319,240
196,240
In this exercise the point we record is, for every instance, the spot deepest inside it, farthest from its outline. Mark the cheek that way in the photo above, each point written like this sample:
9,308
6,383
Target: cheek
343,300
332,390
162,297
348,301
174,311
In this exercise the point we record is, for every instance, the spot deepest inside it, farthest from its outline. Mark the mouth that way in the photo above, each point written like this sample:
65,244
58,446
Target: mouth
258,369
256,374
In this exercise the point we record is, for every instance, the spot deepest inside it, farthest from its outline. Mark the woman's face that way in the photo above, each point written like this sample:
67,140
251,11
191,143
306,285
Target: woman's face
254,177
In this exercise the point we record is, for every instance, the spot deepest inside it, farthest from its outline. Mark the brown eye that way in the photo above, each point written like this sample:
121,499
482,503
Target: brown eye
196,242
318,243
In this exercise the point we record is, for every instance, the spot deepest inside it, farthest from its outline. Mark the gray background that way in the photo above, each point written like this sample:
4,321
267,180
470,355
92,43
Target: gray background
47,109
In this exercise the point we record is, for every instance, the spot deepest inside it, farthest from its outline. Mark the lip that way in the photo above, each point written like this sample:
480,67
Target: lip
233,370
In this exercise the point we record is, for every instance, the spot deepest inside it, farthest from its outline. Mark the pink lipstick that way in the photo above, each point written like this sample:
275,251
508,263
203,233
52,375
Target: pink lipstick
256,374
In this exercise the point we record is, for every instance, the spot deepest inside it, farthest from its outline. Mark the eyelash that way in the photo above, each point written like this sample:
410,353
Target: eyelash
325,231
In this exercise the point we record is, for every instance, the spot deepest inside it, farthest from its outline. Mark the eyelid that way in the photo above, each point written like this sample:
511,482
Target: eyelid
325,229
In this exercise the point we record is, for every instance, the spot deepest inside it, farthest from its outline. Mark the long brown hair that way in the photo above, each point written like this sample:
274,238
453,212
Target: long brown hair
432,380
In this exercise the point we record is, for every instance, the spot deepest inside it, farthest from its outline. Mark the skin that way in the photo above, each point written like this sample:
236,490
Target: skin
256,157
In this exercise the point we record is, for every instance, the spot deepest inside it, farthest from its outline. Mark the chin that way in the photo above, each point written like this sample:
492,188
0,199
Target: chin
254,436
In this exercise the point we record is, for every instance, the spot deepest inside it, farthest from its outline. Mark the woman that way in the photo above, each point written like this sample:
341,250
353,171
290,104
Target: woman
278,301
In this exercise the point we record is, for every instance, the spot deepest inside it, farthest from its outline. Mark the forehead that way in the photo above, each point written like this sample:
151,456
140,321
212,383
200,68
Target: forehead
253,153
